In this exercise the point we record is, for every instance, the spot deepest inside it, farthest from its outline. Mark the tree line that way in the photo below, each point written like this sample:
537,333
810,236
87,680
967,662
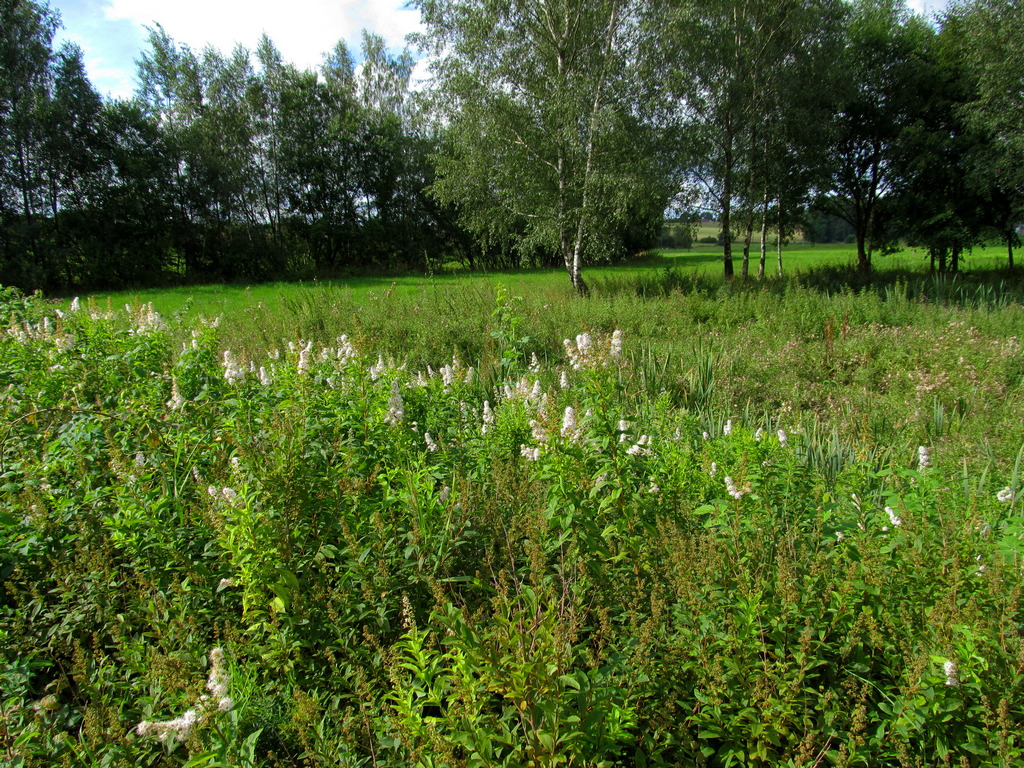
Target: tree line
549,132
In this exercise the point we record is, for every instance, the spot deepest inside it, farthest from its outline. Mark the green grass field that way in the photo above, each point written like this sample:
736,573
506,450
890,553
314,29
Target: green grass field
704,260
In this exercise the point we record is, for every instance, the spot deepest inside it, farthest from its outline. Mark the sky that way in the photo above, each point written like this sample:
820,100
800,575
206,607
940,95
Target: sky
112,33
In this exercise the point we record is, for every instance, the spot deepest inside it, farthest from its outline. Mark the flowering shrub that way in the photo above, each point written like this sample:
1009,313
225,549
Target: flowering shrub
541,566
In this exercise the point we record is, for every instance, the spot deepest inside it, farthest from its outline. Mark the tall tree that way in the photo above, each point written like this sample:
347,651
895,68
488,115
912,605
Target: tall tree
321,122
715,86
747,74
171,91
26,77
990,34
993,32
936,199
73,118
799,99
272,88
882,66
545,132
72,157
126,235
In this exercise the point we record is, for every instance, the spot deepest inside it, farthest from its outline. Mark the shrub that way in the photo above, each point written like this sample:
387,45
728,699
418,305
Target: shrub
326,556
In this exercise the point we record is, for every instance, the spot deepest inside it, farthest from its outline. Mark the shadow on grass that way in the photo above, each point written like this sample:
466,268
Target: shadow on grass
824,268
979,287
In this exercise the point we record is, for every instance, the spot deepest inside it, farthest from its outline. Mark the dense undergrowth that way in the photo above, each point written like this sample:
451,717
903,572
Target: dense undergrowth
752,527
905,360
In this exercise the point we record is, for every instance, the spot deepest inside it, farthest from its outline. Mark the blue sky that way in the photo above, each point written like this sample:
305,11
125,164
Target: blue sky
112,33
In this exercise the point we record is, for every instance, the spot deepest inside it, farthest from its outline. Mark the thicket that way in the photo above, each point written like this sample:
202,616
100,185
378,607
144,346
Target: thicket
222,552
226,167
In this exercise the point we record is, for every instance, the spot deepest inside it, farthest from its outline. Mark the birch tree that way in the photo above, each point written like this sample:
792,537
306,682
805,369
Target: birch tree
741,82
545,133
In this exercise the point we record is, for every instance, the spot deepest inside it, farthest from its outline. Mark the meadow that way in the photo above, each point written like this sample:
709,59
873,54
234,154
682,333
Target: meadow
234,301
473,521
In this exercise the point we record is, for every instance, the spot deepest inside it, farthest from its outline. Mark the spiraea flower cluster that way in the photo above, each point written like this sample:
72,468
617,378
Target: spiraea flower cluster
177,401
640,447
586,352
532,394
529,453
488,418
233,372
451,374
146,319
735,491
228,495
951,673
303,357
924,459
396,407
569,425
303,362
216,700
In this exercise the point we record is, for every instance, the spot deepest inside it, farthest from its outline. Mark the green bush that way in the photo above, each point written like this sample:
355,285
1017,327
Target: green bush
595,559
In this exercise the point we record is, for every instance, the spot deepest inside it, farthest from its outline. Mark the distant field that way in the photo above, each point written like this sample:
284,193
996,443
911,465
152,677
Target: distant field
797,257
705,260
225,300
220,299
708,229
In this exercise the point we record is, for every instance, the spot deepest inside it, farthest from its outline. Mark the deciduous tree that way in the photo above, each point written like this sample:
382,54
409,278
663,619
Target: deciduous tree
545,126
990,34
882,68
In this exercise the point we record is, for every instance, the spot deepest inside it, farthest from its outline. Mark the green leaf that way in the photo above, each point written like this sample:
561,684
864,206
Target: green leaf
204,759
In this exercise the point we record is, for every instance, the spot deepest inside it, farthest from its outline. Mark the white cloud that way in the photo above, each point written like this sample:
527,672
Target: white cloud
420,74
303,30
111,81
928,8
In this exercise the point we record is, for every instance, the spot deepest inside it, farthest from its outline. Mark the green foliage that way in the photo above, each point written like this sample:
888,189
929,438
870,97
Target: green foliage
990,47
883,74
508,334
749,81
231,167
548,140
597,560
559,134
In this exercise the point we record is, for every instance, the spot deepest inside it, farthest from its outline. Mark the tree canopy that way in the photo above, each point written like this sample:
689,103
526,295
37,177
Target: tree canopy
550,132
545,132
